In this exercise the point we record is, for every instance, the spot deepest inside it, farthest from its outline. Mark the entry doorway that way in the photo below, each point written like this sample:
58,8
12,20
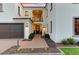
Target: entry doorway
37,28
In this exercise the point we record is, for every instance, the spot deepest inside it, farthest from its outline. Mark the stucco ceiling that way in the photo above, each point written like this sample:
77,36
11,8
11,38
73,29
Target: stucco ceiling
33,4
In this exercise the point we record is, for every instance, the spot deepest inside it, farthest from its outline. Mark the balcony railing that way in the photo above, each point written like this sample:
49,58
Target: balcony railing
37,20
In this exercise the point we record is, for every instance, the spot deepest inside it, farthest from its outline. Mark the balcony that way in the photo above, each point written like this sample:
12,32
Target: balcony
37,20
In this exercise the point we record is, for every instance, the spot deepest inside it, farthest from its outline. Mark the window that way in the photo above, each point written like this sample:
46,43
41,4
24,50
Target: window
50,26
47,13
26,13
51,7
47,27
1,9
76,26
37,15
18,10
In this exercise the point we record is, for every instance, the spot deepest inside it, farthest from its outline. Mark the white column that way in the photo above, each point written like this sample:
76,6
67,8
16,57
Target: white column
26,30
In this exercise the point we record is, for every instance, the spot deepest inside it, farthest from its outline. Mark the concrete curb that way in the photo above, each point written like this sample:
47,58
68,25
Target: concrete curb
60,51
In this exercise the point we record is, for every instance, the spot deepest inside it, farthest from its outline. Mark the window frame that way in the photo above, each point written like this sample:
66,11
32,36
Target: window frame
19,11
51,6
50,26
74,33
1,6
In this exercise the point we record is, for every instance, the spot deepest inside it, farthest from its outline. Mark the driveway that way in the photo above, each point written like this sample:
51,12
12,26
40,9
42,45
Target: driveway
6,44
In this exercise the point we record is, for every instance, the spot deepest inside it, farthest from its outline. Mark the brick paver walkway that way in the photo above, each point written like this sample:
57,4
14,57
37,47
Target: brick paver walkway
37,45
37,42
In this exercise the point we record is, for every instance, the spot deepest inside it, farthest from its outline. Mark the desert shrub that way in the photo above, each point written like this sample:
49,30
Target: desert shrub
68,41
77,43
65,42
71,40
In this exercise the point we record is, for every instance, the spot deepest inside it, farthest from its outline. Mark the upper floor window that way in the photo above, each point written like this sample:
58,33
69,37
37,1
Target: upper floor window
1,9
19,10
51,7
37,15
50,26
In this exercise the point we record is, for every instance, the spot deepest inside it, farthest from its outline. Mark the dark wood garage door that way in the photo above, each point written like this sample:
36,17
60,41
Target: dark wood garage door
11,30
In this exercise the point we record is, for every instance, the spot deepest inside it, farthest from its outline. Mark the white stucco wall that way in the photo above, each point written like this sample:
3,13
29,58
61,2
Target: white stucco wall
21,10
65,14
8,12
27,29
63,21
51,17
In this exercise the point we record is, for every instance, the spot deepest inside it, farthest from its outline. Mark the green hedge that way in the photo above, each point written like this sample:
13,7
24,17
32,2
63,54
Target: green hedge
47,36
31,36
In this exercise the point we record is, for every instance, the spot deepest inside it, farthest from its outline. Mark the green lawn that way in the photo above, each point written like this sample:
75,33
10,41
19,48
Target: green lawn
70,51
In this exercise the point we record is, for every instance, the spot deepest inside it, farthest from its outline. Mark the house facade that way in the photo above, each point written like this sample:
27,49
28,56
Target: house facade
59,20
17,20
63,17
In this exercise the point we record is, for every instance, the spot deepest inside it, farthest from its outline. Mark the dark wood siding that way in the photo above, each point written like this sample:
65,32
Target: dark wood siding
11,30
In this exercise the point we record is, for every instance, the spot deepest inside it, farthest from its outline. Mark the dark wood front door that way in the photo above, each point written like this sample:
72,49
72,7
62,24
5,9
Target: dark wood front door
11,30
37,29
